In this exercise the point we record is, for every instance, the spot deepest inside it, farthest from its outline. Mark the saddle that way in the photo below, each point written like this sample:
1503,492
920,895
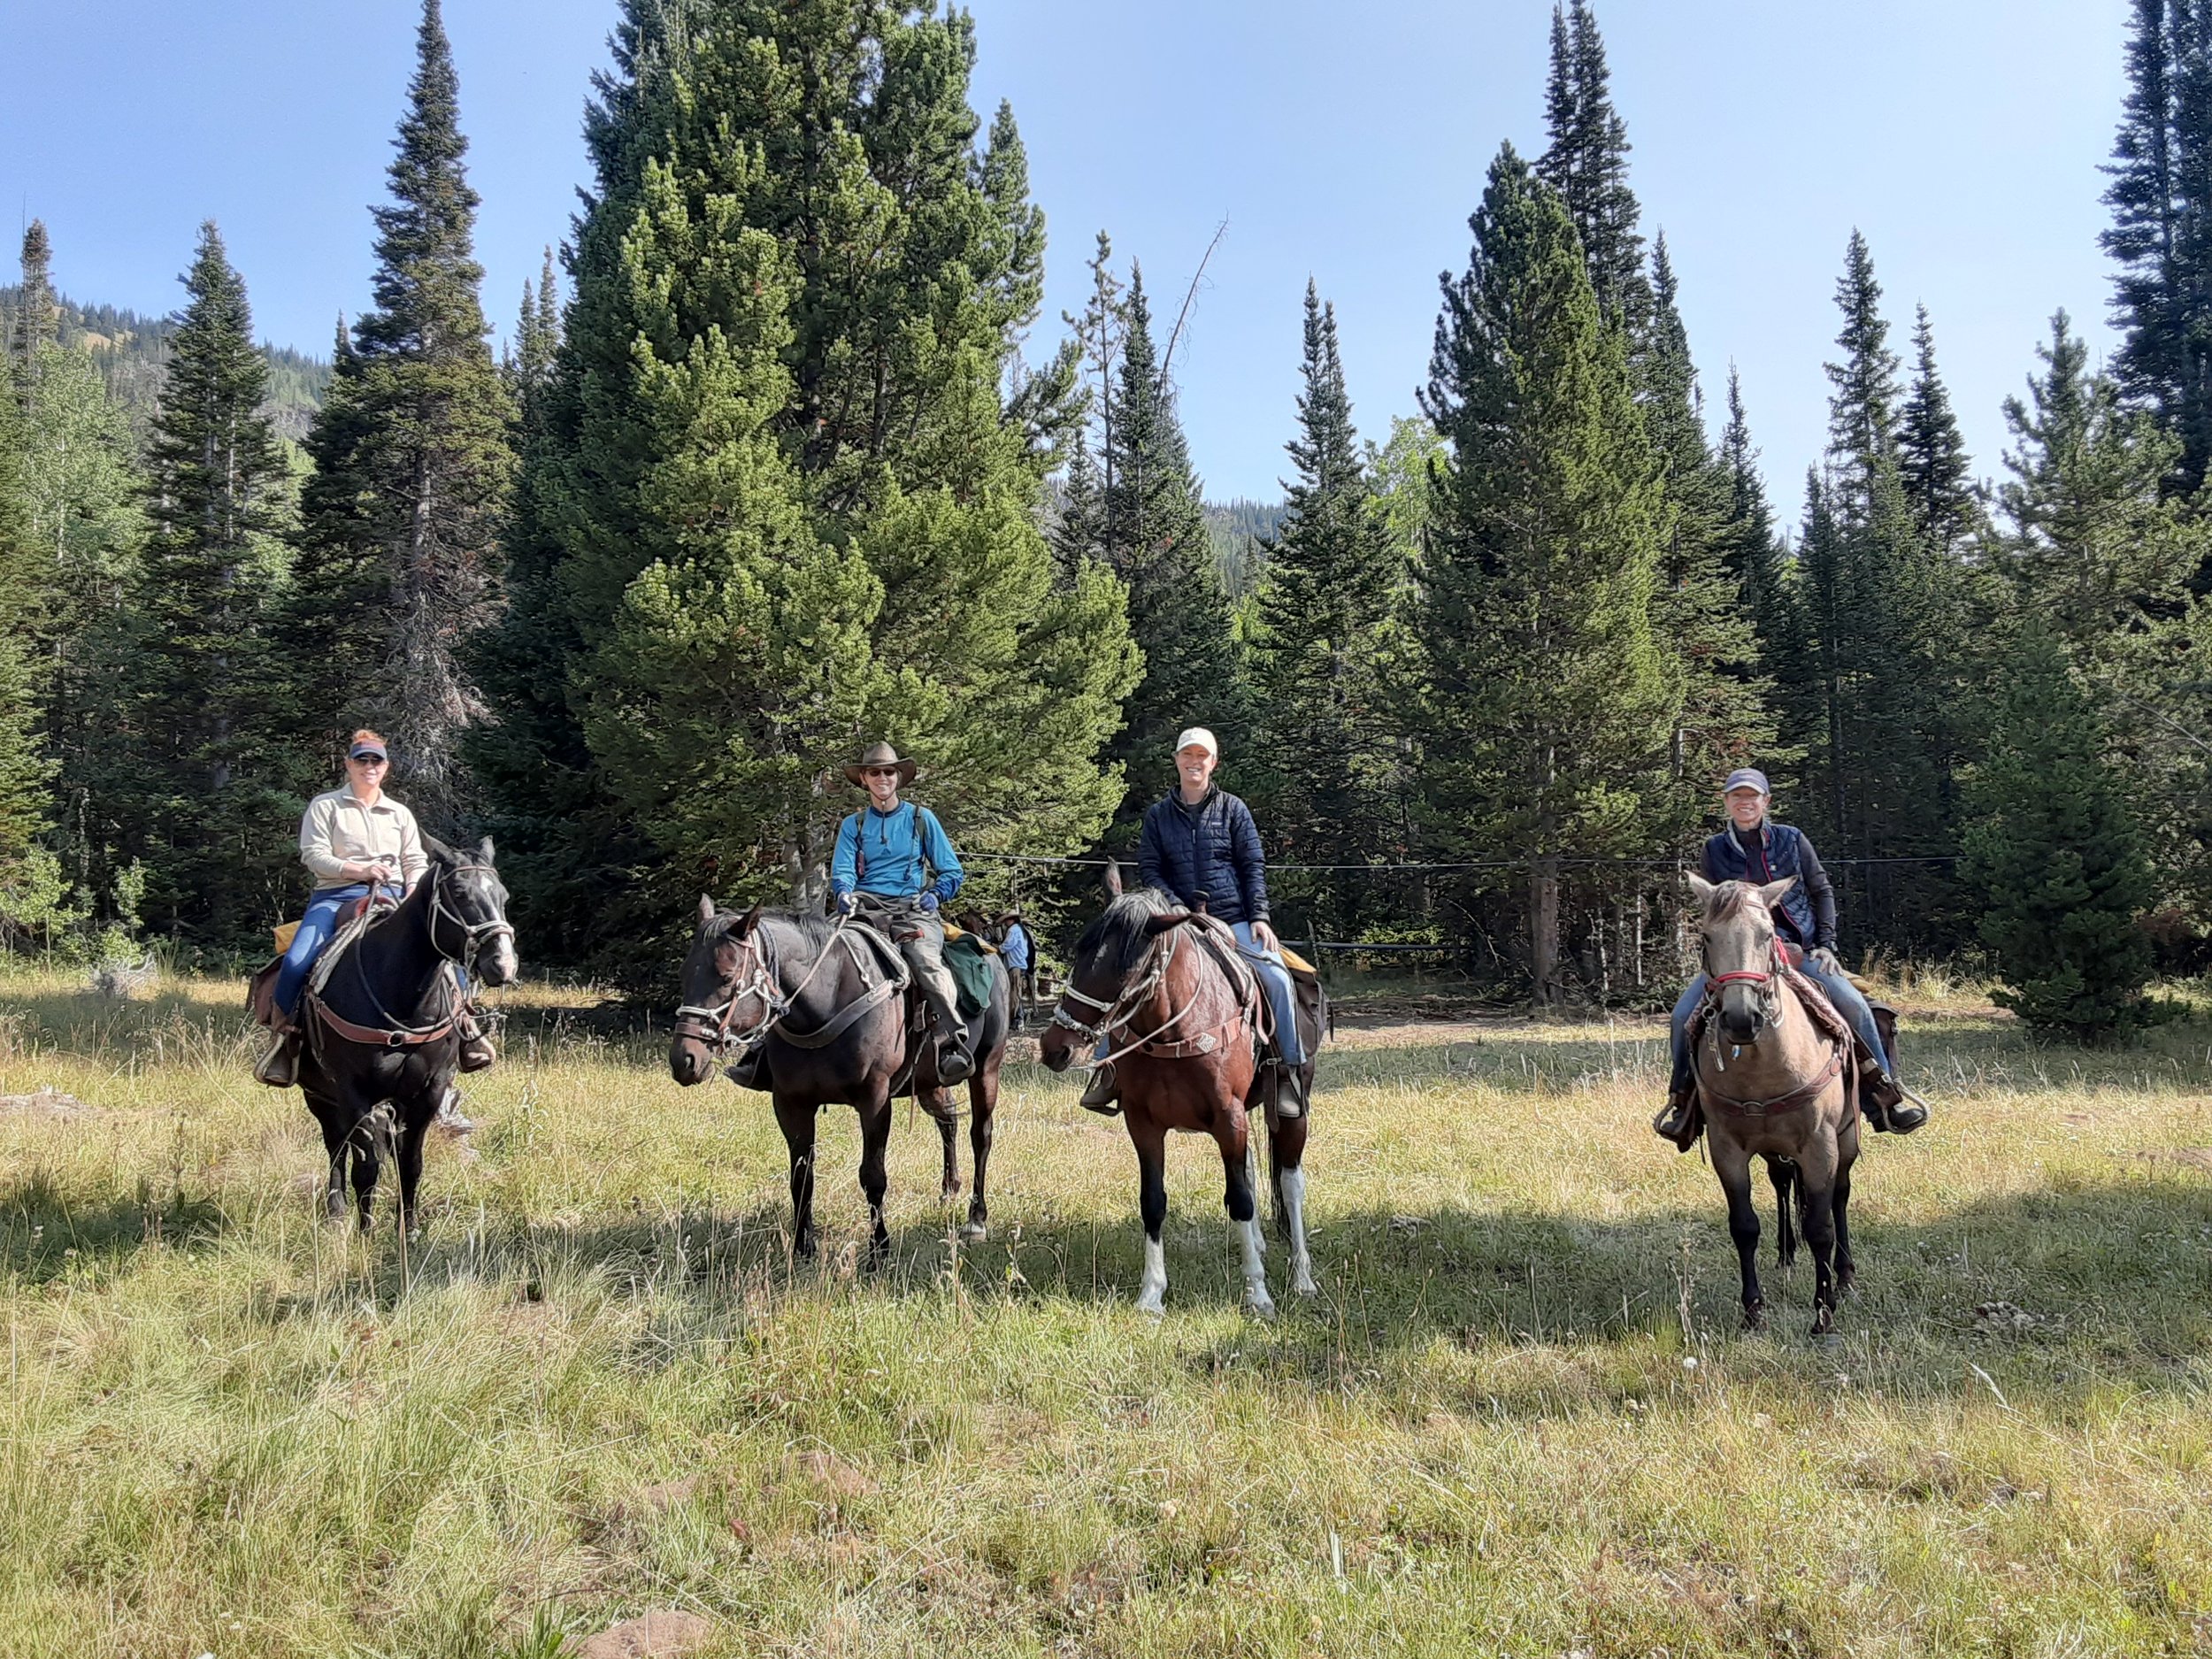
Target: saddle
353,921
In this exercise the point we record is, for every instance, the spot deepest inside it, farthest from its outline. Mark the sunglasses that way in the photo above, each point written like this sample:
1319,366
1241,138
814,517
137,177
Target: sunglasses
879,771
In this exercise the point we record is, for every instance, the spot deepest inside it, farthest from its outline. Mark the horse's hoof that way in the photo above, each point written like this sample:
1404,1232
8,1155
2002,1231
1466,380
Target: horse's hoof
1846,1282
949,1194
1754,1317
1152,1306
1260,1307
1303,1286
1823,1321
974,1232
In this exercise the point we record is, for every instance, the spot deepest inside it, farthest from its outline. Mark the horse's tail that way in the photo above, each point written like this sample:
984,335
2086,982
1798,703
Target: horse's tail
1789,1200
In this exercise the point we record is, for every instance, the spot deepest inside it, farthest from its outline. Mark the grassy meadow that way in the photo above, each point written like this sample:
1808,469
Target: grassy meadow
1519,1418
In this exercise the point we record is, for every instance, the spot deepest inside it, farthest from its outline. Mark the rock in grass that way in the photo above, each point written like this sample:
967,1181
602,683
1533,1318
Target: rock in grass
656,1635
45,1102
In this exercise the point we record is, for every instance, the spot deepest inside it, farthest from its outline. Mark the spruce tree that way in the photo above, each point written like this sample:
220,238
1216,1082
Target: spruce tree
784,502
1318,724
37,315
1547,701
1155,541
1932,452
2053,848
31,889
211,806
1863,412
413,468
1587,163
2161,236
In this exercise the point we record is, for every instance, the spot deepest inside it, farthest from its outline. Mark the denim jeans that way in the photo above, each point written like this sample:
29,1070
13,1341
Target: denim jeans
315,929
1274,978
1840,990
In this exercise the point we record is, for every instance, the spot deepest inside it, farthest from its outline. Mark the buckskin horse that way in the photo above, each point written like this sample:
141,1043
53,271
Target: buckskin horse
383,1032
1157,980
1774,1074
830,1013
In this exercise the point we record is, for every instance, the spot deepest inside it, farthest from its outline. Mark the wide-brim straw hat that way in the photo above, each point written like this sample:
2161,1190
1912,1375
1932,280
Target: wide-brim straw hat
881,755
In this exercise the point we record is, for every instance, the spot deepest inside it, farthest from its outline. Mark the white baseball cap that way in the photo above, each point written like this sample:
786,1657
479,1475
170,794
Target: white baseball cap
1198,737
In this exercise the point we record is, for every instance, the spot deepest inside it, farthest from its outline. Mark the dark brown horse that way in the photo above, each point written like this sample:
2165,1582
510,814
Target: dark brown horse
1774,1085
1153,979
383,1032
829,1013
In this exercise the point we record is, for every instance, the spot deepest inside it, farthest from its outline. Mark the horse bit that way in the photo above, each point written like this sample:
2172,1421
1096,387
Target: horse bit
758,976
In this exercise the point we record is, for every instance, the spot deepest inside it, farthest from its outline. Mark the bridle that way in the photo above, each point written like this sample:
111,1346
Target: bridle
757,975
473,933
1768,981
1136,993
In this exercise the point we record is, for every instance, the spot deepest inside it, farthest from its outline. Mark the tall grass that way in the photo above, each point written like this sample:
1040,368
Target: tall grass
1519,1418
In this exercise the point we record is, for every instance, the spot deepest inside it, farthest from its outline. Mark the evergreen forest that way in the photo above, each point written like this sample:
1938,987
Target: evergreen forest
782,457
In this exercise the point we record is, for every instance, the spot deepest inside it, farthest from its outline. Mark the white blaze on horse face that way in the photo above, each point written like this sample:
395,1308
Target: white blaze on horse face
1294,1193
1152,1291
1255,1296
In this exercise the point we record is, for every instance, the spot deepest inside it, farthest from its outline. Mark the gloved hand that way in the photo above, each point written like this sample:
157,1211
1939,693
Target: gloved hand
1820,956
929,903
846,904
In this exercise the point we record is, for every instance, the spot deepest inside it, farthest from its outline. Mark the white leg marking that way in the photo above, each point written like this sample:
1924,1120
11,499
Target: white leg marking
1154,1286
1255,1296
1252,1179
1294,1210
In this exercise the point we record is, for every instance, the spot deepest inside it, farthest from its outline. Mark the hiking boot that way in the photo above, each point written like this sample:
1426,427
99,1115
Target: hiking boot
1680,1120
954,1063
1103,1096
1890,1107
476,1047
1290,1092
449,1117
279,1068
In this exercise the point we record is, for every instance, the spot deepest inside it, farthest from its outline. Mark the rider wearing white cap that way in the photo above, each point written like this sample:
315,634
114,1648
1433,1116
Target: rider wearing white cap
1197,840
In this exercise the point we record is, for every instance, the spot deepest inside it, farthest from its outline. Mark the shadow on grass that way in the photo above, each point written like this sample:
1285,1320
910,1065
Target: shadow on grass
44,1237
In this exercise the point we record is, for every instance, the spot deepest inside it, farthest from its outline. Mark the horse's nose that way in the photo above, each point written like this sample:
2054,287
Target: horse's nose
686,1064
503,967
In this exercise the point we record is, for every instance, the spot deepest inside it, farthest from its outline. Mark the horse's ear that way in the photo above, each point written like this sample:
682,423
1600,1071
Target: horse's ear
1112,878
484,851
1161,923
1702,890
1773,891
439,850
744,928
706,909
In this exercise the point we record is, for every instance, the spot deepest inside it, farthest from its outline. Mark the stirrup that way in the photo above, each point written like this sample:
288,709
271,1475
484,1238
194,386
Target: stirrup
279,1068
1680,1121
1103,1096
1290,1093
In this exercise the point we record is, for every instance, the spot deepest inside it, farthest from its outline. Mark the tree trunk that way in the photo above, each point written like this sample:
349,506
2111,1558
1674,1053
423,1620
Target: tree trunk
1543,929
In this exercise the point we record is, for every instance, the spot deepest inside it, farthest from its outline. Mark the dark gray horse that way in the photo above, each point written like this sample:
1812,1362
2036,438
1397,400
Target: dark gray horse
381,1039
831,1019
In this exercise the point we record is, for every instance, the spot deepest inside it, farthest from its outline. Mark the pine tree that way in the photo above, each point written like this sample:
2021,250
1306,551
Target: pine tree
1548,700
1723,721
1587,163
1318,723
37,316
1095,333
1863,412
413,468
1931,453
784,502
1155,541
2052,848
2161,236
211,800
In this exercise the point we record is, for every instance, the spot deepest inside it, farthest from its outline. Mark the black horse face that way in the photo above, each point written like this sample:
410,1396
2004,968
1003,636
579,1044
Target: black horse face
710,979
472,912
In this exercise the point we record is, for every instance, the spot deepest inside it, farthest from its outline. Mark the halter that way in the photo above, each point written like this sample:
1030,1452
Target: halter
758,976
1116,1015
473,933
396,1033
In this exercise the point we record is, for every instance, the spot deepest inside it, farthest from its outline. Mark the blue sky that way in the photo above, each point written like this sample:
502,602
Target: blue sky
1344,143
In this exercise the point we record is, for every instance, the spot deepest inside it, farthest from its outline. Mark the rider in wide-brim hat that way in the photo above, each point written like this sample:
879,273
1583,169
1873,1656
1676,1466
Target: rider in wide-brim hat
880,755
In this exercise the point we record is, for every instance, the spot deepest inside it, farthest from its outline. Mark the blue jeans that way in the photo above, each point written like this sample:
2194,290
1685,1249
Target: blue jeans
1274,977
1846,997
315,929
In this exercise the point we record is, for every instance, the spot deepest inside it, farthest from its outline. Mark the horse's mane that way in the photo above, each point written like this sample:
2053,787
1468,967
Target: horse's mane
1118,939
1730,899
812,927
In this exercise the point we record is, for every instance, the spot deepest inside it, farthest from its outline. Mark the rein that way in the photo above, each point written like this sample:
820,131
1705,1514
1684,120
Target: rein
1116,1015
758,976
396,1033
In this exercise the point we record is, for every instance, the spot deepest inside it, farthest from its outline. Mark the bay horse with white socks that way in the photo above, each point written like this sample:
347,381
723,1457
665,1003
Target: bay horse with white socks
1774,1074
1165,986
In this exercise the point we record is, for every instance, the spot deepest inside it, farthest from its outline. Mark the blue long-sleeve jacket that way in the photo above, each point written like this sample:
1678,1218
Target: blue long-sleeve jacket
900,854
1213,847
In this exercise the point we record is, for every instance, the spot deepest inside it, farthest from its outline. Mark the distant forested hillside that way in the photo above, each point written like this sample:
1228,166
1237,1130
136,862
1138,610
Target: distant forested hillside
132,352
1237,528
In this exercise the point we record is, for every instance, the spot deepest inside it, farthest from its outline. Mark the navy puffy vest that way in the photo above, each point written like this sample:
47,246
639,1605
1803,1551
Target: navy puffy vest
1725,860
